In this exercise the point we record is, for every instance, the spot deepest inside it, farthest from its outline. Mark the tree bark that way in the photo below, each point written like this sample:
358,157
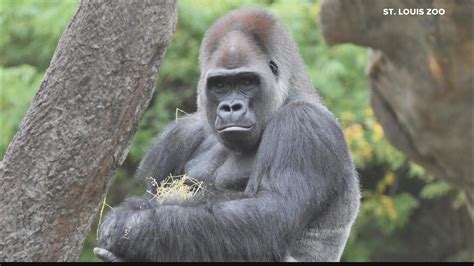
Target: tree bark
420,76
78,129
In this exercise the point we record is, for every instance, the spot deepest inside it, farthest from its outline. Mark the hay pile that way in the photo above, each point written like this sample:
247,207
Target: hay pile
175,187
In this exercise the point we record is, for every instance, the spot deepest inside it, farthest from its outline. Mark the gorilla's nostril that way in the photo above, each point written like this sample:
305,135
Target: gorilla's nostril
225,108
236,107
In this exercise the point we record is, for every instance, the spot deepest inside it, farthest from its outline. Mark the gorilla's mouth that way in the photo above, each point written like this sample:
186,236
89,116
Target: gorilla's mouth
234,128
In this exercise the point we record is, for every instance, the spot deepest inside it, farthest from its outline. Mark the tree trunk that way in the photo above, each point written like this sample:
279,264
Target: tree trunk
78,129
420,76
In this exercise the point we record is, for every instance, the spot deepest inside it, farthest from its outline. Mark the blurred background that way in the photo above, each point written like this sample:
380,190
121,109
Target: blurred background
406,214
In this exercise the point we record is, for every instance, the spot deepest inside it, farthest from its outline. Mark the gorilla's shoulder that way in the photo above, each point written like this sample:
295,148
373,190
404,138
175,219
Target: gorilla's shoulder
181,137
189,127
172,147
305,113
303,120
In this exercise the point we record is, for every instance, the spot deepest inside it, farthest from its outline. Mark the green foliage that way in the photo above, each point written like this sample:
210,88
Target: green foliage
17,89
90,243
31,30
435,190
155,119
387,213
379,215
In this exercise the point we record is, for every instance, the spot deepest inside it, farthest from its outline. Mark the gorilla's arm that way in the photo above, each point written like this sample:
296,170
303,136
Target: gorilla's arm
301,164
175,145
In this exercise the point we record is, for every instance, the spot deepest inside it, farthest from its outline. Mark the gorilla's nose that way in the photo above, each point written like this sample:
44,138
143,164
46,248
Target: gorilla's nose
231,111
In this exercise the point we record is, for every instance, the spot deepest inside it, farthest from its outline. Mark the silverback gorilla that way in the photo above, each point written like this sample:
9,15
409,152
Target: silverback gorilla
281,185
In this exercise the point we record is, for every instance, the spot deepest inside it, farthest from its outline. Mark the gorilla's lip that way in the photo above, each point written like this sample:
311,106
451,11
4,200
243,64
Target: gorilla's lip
234,128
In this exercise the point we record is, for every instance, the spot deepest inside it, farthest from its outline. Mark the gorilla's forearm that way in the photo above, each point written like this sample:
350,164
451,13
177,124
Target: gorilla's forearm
253,229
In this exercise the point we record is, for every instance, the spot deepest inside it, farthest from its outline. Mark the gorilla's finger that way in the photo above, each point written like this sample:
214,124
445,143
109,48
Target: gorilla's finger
106,255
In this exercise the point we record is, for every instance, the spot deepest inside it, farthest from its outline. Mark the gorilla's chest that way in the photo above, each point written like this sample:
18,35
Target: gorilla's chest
215,164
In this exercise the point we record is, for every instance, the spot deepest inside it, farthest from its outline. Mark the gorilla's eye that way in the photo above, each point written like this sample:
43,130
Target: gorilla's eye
274,68
249,80
216,84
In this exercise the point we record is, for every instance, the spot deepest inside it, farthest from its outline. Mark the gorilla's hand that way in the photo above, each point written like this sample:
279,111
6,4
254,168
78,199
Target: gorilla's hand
121,230
106,256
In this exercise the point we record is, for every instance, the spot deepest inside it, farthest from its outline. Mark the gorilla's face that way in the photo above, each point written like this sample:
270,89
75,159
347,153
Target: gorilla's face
240,95
231,94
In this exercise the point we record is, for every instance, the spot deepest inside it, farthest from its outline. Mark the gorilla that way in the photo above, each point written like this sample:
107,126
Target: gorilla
280,182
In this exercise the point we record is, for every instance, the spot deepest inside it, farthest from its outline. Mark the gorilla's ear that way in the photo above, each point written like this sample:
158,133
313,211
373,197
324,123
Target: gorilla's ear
274,68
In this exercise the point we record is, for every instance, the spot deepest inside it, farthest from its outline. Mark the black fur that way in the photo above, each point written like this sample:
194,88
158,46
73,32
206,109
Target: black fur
287,191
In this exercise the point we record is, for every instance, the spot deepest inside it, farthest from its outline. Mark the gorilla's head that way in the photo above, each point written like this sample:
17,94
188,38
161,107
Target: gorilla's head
246,73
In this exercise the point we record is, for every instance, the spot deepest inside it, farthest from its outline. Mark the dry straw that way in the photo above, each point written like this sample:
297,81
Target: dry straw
180,187
175,187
